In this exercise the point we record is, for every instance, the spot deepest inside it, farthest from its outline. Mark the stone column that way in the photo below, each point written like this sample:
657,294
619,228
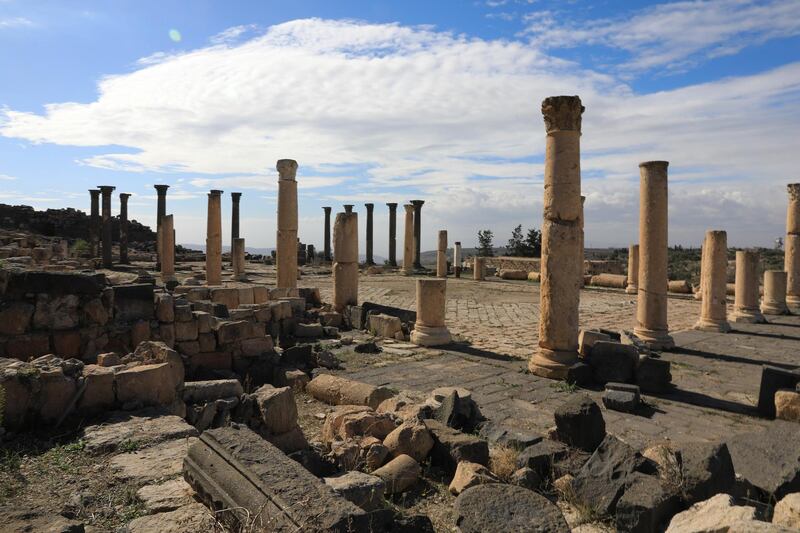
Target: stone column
562,240
348,208
235,198
106,191
392,234
167,249
213,239
370,260
457,259
123,228
417,231
441,255
327,248
237,259
287,224
161,211
478,268
714,310
633,269
94,222
746,299
791,259
345,267
651,311
774,302
429,329
408,241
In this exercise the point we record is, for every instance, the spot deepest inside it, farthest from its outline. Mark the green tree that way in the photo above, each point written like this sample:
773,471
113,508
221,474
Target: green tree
485,246
533,243
516,244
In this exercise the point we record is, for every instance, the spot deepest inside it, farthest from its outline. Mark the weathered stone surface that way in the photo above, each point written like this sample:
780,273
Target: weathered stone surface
787,405
587,338
773,379
714,515
227,296
157,462
349,421
621,397
645,506
384,325
410,438
146,385
768,460
166,496
527,478
277,408
144,428
258,346
495,507
191,518
580,423
511,437
787,511
234,468
613,361
451,446
376,456
186,331
469,475
308,330
133,302
541,456
399,474
706,469
339,391
457,408
653,375
15,317
99,391
229,332
364,490
206,391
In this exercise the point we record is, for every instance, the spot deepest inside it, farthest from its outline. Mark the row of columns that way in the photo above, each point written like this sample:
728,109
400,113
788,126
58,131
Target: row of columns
100,225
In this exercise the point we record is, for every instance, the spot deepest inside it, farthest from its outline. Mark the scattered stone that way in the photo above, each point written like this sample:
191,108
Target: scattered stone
457,408
580,423
469,475
787,511
150,464
364,490
367,347
383,325
326,359
645,506
166,496
190,518
314,461
277,407
451,447
143,429
621,397
350,421
787,405
587,338
308,330
339,391
580,374
410,438
541,456
706,469
527,478
376,456
399,474
504,436
613,361
773,379
653,375
494,507
206,391
767,462
715,514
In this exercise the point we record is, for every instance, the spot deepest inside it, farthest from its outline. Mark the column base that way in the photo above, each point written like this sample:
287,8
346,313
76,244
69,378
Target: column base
748,316
774,309
698,296
166,279
793,304
552,364
655,339
430,336
631,289
457,272
711,325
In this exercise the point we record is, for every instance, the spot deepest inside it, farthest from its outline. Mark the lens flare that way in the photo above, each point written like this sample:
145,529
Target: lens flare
175,35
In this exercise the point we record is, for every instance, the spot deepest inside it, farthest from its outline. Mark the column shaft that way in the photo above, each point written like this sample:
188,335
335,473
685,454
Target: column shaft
167,249
345,267
633,269
774,302
441,255
417,231
478,268
94,222
237,259
792,249
123,228
287,224
457,259
327,245
408,240
370,259
106,190
430,329
746,299
161,211
392,234
213,239
713,309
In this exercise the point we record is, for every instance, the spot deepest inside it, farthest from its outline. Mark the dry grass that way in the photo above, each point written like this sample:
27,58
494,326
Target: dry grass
503,462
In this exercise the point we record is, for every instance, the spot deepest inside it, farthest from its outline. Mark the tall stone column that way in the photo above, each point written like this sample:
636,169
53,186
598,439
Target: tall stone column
327,248
791,259
237,259
105,191
161,211
651,311
408,241
774,302
392,234
417,231
430,329
370,259
94,222
345,267
213,239
457,259
746,300
714,310
123,228
287,223
478,268
633,269
441,255
235,199
348,208
167,249
562,240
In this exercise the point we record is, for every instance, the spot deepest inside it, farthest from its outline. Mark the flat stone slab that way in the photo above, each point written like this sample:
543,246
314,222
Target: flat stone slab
141,429
192,518
498,507
768,461
156,462
166,496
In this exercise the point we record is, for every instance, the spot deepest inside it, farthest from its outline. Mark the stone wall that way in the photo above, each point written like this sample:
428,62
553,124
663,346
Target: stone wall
533,264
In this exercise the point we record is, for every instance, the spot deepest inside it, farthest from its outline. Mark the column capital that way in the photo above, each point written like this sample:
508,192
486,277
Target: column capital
327,210
408,207
369,206
417,203
287,169
392,205
124,196
161,189
94,192
214,192
654,165
457,243
106,189
348,208
562,113
794,191
235,196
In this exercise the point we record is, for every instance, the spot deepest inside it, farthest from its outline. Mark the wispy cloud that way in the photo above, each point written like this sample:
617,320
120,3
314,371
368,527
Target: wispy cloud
6,177
15,22
673,35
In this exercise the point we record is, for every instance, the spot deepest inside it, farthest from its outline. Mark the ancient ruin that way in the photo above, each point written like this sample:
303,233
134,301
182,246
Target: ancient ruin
713,310
287,224
213,238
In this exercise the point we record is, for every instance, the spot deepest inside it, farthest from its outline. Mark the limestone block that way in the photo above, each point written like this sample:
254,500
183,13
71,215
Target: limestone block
15,317
714,514
246,295
67,343
165,307
204,321
385,325
257,346
56,311
787,511
166,333
146,384
99,391
399,474
57,391
229,297
186,331
228,332
350,421
787,405
469,475
207,342
260,294
340,391
25,347
140,332
616,281
587,338
410,438
364,490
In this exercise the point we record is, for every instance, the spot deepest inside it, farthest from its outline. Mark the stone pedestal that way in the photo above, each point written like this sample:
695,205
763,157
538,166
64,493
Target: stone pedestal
441,255
327,244
369,255
167,251
213,239
651,311
417,231
774,301
161,211
633,269
237,259
457,259
105,191
562,240
345,267
746,301
392,234
792,249
123,228
94,222
713,310
430,329
478,268
408,240
287,224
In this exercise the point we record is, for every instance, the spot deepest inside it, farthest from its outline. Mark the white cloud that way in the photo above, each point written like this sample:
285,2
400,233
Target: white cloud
674,35
6,177
450,119
15,22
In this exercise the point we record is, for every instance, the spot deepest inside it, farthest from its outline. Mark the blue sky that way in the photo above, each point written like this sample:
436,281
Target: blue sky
389,101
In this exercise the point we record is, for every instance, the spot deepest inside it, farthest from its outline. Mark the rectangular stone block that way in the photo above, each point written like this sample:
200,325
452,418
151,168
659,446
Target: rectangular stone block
16,283
195,294
228,332
15,318
99,392
229,297
246,295
207,342
26,346
67,343
183,312
220,360
256,347
204,321
188,347
774,378
186,331
234,468
241,314
298,304
280,310
146,384
133,302
260,294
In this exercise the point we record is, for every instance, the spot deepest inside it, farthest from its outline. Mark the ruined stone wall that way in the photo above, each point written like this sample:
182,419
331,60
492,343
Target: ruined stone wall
533,264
